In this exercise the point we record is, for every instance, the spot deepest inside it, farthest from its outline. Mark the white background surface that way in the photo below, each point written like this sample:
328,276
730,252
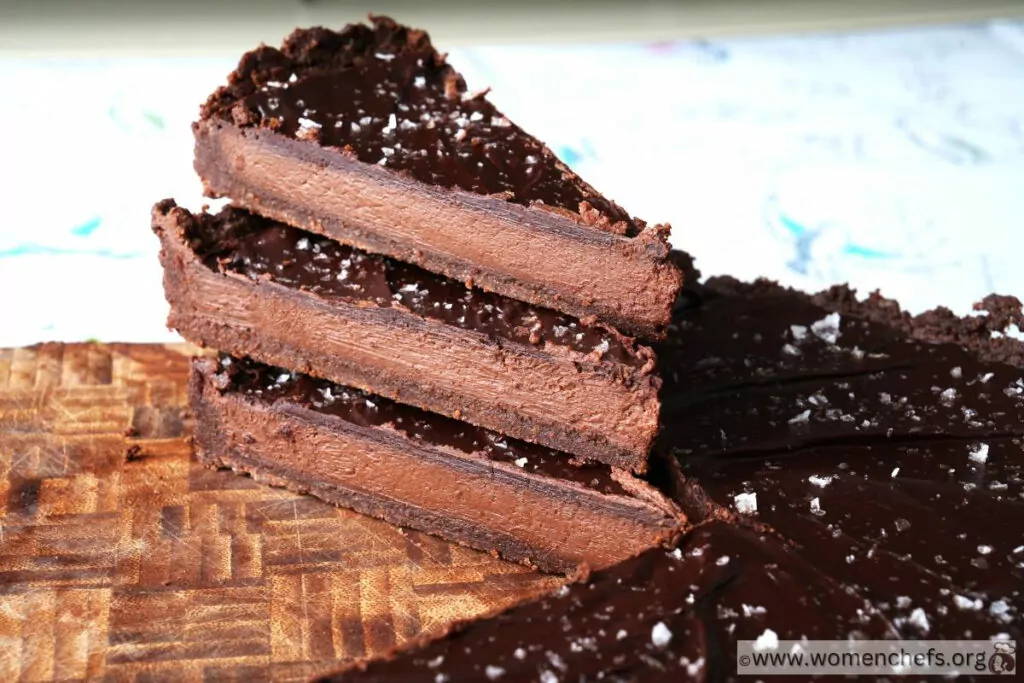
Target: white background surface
890,159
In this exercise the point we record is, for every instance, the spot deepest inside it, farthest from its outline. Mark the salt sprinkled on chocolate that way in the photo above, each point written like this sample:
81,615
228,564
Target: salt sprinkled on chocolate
768,640
1000,609
661,636
827,329
965,603
919,619
801,418
979,454
746,503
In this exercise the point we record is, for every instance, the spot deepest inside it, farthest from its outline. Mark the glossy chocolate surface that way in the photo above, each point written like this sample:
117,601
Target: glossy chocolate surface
269,385
383,94
895,465
237,241
763,369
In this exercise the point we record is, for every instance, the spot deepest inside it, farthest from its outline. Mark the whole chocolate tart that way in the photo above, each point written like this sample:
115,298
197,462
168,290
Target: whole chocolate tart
369,136
852,472
422,470
253,287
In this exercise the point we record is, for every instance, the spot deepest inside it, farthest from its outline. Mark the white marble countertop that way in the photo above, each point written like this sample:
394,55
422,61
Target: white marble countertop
890,159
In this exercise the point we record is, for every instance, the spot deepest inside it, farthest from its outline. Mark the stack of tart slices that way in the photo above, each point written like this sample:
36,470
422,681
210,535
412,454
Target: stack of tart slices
423,315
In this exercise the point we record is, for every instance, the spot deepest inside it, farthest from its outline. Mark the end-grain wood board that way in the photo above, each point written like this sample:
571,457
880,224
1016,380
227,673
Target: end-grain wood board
151,567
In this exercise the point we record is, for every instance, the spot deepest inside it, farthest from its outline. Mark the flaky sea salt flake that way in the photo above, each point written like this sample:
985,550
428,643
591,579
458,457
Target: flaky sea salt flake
966,604
745,503
979,453
791,350
816,507
660,635
802,418
827,329
769,640
919,619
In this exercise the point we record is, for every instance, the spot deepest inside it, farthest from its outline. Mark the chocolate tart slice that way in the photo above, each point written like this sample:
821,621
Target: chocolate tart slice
252,287
422,470
367,135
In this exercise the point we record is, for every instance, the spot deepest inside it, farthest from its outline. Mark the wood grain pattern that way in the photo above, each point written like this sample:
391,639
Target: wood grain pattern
152,567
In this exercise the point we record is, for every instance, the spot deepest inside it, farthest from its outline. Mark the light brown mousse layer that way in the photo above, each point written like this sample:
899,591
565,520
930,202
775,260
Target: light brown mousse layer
533,254
595,409
556,525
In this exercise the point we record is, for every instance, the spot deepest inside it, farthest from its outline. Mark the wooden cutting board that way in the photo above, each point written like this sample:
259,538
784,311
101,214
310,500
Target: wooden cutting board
153,568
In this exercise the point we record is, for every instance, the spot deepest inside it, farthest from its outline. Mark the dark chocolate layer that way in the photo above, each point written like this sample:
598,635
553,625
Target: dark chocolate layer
269,384
881,452
758,369
238,241
383,94
929,535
